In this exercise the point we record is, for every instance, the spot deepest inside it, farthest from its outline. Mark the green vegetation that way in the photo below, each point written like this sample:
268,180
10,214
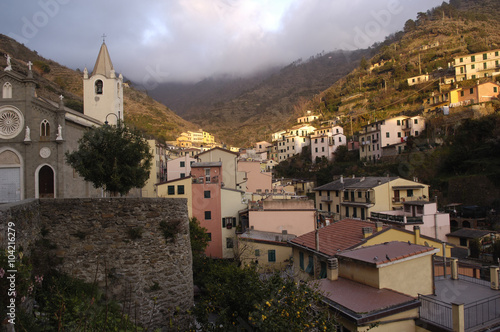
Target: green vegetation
271,303
113,157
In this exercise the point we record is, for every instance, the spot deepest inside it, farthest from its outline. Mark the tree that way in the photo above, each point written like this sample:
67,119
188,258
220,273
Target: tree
410,25
114,157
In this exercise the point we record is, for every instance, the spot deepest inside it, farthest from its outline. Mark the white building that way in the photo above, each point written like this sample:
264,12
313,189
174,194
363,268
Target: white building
373,137
325,141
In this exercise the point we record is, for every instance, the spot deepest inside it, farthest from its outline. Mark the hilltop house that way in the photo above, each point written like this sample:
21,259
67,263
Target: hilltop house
477,65
374,136
480,93
357,197
325,141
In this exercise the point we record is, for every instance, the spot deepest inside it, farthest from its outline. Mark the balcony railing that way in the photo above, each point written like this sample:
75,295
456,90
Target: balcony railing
436,312
481,312
394,218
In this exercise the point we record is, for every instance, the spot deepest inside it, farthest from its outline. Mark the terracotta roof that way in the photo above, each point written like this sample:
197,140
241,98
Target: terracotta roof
470,233
339,236
386,252
359,298
356,183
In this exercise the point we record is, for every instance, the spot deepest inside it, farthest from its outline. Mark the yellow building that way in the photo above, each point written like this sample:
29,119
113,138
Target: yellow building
179,188
208,138
269,251
358,197
157,172
376,287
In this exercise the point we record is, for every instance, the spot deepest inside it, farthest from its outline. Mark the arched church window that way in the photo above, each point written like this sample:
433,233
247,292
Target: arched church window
98,87
7,90
45,128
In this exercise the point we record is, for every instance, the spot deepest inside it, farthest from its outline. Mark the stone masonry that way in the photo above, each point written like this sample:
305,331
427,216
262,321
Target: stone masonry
120,244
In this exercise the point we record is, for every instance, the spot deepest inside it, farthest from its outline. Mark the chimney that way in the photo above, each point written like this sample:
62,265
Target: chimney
454,269
332,272
367,231
494,277
378,226
317,240
341,179
416,230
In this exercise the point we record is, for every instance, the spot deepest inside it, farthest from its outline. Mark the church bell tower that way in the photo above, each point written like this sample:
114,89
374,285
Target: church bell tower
103,90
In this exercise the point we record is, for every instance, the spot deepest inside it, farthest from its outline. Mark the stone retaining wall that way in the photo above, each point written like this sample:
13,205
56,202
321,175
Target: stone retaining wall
120,244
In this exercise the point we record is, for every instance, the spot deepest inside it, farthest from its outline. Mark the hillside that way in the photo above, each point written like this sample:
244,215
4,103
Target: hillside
378,88
141,111
272,104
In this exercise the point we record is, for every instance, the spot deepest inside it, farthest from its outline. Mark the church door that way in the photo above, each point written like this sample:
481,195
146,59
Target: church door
46,182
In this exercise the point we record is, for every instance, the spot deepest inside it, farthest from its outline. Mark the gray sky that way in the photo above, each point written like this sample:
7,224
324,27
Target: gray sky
188,40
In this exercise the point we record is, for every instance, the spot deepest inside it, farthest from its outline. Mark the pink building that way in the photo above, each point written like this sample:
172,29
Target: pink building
424,214
256,179
207,178
179,168
291,215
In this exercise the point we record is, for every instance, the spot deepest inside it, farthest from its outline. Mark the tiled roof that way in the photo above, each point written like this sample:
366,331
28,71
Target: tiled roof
103,64
356,183
207,164
336,237
469,233
386,252
359,298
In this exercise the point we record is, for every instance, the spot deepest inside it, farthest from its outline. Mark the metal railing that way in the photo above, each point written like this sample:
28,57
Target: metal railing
436,312
482,312
393,218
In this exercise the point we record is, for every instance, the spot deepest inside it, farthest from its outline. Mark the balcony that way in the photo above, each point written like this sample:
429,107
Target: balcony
402,219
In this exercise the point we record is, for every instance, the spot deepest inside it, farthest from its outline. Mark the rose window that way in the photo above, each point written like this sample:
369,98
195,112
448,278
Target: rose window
11,123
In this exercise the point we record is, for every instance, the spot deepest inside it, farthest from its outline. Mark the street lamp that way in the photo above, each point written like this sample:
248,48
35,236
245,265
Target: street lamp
117,119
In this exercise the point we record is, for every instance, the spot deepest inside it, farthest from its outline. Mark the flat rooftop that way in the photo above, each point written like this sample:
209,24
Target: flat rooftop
462,291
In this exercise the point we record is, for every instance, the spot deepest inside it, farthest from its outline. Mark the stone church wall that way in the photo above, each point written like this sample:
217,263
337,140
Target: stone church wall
120,244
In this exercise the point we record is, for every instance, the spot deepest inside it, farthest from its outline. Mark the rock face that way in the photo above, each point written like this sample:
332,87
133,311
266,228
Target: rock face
120,243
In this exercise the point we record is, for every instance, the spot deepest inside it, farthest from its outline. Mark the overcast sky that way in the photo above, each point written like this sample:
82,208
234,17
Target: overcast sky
188,40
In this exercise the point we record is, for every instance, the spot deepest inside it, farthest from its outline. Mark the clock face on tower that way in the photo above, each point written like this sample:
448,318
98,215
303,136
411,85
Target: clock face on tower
45,152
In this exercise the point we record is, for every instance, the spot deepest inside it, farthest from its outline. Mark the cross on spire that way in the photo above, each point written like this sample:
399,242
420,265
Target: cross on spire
103,37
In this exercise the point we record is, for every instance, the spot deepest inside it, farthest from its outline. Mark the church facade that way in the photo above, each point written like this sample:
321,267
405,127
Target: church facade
35,133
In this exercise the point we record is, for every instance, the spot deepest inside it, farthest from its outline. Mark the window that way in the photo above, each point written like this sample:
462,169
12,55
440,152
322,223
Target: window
322,274
359,194
257,252
485,65
473,58
416,132
485,56
208,215
180,190
45,128
461,70
354,212
207,175
347,212
398,122
209,236
182,164
171,190
409,193
462,93
461,59
7,90
316,149
229,243
301,260
323,149
471,91
399,134
496,53
338,208
271,256
183,175
321,207
495,89
206,194
310,265
336,193
387,134
98,87
415,121
472,66
463,242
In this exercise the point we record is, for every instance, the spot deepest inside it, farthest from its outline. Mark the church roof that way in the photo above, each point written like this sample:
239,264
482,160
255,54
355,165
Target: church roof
103,64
